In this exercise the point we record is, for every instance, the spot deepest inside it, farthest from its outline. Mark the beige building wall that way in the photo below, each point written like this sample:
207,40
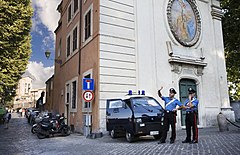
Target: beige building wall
26,97
23,93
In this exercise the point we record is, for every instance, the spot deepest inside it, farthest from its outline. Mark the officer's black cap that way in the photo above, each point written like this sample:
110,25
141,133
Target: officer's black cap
191,91
171,90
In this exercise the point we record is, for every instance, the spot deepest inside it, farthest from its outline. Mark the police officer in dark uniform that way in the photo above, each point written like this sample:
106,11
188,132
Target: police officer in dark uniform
170,114
191,106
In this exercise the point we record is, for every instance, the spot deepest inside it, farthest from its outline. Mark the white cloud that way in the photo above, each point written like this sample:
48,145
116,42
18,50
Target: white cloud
35,23
45,11
39,73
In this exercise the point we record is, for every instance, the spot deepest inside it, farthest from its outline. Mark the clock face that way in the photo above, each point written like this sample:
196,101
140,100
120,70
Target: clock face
184,21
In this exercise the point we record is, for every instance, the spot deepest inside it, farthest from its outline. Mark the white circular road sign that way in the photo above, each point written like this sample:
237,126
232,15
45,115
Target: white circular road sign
88,96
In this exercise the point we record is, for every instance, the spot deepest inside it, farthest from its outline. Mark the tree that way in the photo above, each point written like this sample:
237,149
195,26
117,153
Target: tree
15,47
231,36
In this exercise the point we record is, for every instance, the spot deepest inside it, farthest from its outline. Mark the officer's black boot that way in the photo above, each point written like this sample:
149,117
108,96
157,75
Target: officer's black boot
163,138
186,141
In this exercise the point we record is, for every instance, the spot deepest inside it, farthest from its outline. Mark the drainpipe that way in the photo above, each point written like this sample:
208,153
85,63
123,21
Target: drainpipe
80,38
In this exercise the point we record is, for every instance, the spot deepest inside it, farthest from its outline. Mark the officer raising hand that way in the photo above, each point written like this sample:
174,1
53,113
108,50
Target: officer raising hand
169,114
191,107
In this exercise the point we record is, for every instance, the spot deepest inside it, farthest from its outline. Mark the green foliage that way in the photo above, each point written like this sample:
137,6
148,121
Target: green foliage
15,43
231,29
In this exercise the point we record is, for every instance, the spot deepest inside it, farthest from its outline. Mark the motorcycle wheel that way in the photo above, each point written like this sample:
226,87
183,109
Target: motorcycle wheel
34,129
66,131
40,135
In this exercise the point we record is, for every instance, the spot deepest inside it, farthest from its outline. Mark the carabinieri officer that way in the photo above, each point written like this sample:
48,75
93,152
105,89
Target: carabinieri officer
191,107
170,114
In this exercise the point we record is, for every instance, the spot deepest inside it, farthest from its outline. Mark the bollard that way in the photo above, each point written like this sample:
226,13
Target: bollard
222,122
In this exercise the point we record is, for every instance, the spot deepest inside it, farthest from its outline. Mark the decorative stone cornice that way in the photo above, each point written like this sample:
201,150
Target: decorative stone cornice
217,12
183,55
187,61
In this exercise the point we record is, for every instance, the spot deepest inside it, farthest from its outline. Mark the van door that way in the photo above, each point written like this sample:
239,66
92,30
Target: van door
117,114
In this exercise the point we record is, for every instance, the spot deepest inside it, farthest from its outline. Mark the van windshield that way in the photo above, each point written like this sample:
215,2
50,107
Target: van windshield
146,104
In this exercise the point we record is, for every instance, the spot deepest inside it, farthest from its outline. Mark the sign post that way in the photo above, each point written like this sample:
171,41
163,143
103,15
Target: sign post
88,96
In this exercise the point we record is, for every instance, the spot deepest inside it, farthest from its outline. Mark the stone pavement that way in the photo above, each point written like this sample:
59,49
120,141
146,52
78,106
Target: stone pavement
18,140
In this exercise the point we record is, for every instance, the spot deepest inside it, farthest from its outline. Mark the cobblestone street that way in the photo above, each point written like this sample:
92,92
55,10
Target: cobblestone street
19,140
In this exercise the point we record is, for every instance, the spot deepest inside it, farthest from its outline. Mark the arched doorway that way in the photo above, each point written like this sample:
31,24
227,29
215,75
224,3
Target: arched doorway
184,84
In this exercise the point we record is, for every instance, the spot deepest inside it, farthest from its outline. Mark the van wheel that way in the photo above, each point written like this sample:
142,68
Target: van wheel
130,137
113,133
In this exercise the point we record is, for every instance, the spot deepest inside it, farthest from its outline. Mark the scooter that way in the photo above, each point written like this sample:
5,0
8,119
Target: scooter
36,125
49,127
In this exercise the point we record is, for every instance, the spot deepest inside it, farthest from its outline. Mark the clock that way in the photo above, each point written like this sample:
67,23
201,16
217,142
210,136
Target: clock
184,21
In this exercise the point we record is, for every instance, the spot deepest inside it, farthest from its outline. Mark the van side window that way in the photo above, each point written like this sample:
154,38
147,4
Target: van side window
116,104
128,103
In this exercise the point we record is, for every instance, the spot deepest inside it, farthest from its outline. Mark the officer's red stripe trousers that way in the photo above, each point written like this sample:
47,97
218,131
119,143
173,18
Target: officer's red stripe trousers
195,126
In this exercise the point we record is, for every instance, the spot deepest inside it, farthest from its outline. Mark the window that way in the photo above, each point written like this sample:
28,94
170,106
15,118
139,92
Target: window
74,93
75,6
87,105
116,104
71,94
48,89
59,47
28,87
72,42
67,93
75,40
87,27
87,119
68,45
25,90
69,13
72,10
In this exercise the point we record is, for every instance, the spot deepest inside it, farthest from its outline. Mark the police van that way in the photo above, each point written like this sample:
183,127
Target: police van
134,116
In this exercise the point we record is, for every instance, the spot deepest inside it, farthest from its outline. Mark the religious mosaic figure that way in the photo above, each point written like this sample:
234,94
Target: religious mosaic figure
183,19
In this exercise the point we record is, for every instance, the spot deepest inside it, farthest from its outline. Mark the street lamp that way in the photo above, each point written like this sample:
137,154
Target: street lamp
48,53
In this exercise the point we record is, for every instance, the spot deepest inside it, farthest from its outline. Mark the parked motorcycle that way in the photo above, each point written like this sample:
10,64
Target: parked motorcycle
49,127
36,126
37,119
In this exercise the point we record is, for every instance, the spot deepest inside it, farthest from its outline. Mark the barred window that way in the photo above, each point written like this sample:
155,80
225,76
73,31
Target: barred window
74,92
87,25
75,40
75,6
68,45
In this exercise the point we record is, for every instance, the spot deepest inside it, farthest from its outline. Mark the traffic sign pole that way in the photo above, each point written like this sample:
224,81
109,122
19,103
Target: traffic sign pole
88,96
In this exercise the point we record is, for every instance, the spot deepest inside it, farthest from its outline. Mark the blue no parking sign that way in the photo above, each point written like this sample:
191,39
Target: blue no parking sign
88,84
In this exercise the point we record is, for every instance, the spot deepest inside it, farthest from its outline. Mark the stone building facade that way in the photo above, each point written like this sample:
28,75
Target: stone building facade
139,45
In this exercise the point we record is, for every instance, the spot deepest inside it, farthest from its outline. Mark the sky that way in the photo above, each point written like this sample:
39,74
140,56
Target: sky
44,22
